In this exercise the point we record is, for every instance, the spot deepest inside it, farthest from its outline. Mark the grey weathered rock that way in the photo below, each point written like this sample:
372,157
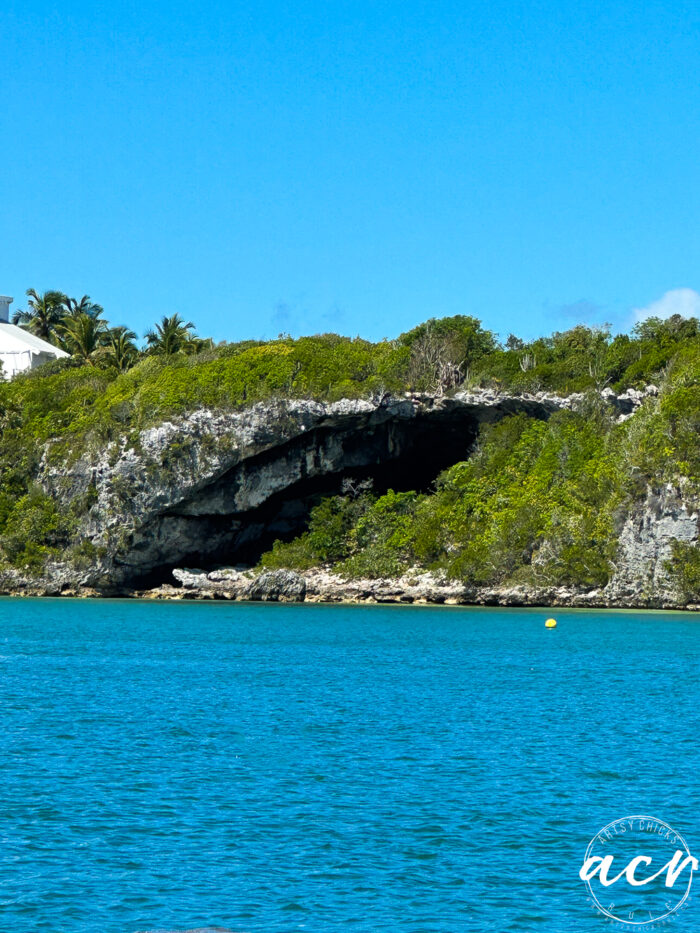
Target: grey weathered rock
418,586
278,585
192,579
204,489
645,545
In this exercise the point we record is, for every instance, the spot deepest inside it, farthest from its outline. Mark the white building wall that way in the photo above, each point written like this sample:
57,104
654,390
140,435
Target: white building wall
18,361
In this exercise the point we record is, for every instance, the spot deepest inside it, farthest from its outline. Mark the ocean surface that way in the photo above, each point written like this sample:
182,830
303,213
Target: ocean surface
271,768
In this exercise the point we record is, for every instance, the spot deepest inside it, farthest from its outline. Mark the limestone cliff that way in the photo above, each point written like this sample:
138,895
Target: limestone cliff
215,488
641,576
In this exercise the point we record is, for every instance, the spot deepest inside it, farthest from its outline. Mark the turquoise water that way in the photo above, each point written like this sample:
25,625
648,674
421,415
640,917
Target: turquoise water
283,768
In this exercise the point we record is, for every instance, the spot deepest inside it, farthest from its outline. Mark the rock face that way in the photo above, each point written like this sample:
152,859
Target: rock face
218,487
214,489
645,545
278,584
270,586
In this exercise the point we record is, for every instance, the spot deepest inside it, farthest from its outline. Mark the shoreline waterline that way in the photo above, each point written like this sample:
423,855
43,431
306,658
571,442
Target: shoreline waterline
321,605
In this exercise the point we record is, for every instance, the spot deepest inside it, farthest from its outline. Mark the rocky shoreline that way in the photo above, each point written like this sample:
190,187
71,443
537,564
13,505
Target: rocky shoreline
641,578
418,587
322,585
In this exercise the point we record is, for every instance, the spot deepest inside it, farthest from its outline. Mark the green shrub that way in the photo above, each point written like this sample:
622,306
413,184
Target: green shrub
684,566
34,530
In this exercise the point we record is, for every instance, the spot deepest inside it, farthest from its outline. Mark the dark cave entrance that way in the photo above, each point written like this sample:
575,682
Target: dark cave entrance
415,462
396,453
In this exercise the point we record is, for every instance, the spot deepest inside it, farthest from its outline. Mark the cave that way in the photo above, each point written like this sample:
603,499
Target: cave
235,517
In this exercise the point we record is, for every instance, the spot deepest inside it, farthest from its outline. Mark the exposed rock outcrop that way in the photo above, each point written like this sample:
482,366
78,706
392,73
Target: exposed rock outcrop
214,488
645,544
278,585
218,487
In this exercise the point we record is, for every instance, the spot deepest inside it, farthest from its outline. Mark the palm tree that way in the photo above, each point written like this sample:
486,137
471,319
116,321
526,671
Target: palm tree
43,315
119,349
198,344
84,306
171,336
82,335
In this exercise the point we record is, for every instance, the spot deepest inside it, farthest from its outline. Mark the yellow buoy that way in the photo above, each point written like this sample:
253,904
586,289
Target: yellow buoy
550,623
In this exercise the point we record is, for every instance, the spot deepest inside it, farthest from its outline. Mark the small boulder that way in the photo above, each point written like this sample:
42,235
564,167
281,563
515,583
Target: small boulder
276,585
191,579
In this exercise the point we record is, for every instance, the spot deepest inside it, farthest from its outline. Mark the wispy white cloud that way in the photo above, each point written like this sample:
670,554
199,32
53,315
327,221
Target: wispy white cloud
683,301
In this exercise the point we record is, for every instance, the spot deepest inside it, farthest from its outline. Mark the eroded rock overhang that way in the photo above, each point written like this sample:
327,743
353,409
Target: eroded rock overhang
217,488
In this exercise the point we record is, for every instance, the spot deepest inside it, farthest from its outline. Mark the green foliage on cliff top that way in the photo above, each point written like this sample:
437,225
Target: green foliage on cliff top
583,358
62,398
70,398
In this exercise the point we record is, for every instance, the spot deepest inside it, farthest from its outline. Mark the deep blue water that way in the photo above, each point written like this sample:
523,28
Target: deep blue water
282,768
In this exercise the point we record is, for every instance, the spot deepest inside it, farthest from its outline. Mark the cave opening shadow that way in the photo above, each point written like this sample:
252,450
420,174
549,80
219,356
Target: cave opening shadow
400,455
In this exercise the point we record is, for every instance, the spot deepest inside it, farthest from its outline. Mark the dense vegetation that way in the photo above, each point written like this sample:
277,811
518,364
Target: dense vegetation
537,501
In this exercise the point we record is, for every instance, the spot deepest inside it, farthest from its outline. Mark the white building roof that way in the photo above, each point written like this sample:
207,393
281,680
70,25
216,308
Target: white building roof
14,339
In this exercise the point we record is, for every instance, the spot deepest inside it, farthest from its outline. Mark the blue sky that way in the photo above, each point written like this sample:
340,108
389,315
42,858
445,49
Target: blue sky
359,167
